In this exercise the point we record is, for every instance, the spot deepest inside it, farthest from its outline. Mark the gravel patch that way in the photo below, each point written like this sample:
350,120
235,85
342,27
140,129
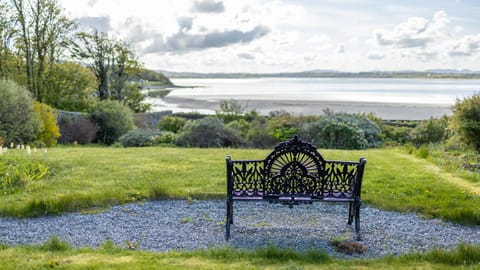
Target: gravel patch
188,225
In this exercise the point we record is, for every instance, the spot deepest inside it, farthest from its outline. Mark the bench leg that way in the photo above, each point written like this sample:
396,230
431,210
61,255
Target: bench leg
229,218
350,213
357,220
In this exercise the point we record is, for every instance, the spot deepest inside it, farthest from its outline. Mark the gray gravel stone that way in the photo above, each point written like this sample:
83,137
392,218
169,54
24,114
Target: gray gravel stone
184,225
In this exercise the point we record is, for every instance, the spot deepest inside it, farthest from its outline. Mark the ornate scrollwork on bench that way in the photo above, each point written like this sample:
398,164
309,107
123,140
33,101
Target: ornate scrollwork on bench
294,172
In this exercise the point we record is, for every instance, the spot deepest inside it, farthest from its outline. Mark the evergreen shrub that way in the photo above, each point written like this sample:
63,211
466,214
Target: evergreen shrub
139,137
19,123
49,131
207,132
113,119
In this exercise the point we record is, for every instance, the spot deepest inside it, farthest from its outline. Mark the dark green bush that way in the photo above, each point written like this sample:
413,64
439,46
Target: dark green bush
166,138
207,132
342,131
139,137
331,133
430,131
113,119
172,123
258,135
466,120
19,123
397,134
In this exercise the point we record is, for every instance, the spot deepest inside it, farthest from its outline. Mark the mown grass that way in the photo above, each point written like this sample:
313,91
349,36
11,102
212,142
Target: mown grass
97,177
57,255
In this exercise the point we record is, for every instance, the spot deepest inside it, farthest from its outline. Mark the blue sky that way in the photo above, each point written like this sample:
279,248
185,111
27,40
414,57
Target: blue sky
287,35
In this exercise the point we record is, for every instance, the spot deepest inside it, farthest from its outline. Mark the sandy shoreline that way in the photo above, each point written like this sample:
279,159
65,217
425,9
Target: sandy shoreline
386,111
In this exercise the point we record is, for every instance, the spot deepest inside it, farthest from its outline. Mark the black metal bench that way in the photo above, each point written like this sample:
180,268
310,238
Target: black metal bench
294,173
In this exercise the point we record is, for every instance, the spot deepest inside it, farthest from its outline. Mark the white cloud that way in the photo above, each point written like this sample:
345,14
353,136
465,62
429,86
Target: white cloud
280,35
376,55
467,46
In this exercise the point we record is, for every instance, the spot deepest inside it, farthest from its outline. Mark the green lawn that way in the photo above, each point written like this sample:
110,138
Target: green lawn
55,255
96,177
93,178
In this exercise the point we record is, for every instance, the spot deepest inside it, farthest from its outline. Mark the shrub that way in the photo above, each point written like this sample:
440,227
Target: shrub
429,131
49,131
466,120
342,131
258,136
166,138
19,123
113,119
77,129
239,127
371,130
139,137
172,123
207,132
397,134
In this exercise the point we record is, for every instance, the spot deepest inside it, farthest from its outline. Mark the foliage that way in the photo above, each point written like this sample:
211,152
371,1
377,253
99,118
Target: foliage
396,135
97,49
41,34
55,244
331,133
113,63
7,34
342,131
77,129
49,131
139,137
231,107
18,169
466,120
258,135
134,98
172,123
72,87
207,132
282,126
430,131
19,123
230,110
113,119
158,93
166,137
150,75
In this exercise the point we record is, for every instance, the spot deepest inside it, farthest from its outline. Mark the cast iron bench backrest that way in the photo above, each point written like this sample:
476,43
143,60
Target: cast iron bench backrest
294,171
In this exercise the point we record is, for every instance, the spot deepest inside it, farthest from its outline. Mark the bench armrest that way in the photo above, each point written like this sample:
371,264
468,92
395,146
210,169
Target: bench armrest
245,177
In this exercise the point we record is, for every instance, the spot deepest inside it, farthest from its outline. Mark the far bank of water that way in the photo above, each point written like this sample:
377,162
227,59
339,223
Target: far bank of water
409,99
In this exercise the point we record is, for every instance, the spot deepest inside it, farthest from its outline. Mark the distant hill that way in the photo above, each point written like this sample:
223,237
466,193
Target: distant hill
153,76
428,74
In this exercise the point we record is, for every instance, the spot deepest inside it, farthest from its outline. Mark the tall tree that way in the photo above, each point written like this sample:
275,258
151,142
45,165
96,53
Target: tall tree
7,31
42,34
97,49
113,62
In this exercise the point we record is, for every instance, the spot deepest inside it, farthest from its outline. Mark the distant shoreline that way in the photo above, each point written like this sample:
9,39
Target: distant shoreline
386,111
460,75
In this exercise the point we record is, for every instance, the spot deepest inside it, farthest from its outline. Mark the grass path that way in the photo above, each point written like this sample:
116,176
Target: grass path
446,176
